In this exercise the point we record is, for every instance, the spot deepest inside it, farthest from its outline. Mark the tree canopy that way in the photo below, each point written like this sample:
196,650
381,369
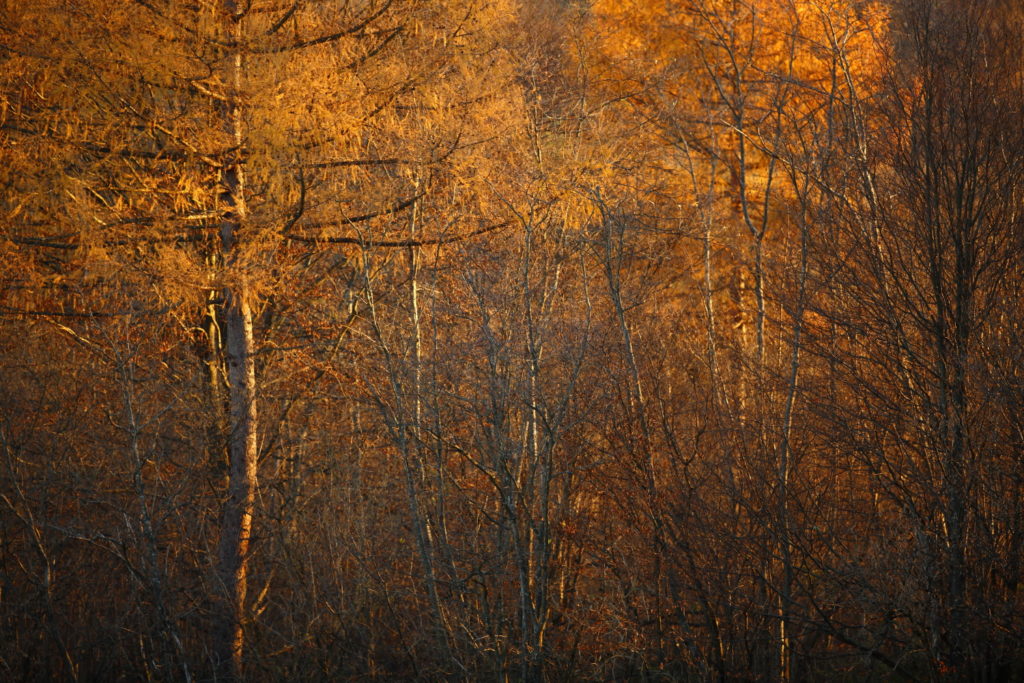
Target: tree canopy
409,339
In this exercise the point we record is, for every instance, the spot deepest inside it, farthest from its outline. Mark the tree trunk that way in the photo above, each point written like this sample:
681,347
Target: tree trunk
236,525
236,522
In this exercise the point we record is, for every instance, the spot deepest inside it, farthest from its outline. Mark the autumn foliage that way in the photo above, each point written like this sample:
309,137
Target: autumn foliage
511,340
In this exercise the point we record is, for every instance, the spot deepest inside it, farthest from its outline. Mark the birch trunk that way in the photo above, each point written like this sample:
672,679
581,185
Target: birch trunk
236,525
236,522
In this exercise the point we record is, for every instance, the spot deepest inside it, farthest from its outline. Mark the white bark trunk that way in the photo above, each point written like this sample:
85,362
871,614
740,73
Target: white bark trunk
236,525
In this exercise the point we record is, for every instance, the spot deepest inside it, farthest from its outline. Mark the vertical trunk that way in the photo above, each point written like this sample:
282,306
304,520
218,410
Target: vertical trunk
412,444
539,464
709,309
954,479
787,663
414,312
614,251
950,411
236,524
216,374
236,521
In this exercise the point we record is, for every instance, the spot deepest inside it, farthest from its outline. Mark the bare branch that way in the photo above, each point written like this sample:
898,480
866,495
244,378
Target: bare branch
369,242
329,38
400,206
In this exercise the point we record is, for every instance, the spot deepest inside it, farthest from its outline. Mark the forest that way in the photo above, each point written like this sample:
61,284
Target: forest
512,340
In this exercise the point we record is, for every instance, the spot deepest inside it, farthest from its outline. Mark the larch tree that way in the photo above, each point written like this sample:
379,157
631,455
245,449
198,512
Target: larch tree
428,339
214,147
734,106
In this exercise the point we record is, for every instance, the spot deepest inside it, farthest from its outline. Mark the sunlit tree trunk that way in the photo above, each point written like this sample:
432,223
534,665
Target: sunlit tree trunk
236,520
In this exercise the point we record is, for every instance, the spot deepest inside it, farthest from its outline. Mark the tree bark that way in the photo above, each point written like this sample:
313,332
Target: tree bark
236,525
236,522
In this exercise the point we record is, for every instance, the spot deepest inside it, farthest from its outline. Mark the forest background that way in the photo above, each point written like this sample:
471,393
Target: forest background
515,340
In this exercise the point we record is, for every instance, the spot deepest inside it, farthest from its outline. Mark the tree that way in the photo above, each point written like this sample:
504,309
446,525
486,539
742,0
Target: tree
926,255
210,144
430,340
